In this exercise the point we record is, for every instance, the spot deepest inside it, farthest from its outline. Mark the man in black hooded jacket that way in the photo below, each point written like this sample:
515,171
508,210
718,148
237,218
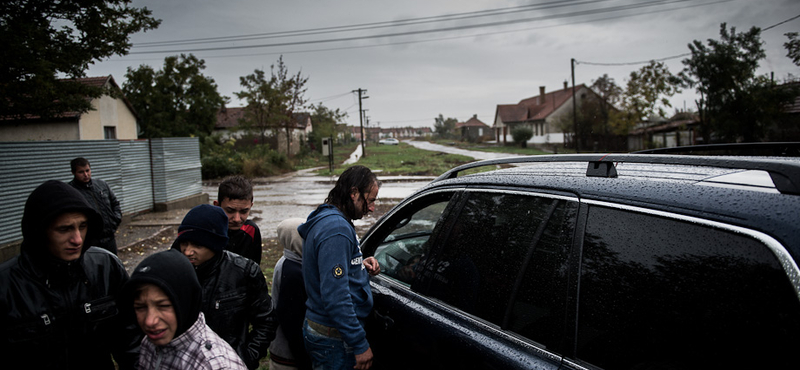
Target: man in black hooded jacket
57,298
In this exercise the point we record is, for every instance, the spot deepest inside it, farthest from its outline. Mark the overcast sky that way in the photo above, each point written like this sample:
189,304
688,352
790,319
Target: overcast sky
416,61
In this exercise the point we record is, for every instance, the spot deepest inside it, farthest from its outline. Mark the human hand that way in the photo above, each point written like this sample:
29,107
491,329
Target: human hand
372,265
364,360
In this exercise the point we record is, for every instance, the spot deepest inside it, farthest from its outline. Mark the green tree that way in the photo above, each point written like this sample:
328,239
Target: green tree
647,94
734,103
175,101
271,103
324,121
445,128
793,47
42,39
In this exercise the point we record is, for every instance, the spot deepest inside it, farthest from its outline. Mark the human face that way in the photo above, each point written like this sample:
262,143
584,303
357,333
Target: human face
155,314
83,173
237,210
359,200
197,254
66,234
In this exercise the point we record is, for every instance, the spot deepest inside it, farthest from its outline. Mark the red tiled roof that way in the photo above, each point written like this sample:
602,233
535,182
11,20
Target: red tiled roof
472,122
229,117
533,109
89,81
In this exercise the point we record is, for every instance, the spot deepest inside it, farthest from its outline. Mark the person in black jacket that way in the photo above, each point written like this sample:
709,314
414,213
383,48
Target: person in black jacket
57,298
102,199
236,301
235,197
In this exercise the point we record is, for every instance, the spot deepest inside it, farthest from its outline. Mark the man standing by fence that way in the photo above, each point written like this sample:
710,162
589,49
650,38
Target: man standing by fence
102,199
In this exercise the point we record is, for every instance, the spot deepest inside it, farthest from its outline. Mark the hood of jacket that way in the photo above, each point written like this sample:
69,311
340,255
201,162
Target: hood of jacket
323,211
290,239
174,274
48,201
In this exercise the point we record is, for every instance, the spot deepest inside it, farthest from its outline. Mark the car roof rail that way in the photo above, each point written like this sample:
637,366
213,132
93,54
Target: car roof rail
785,174
778,149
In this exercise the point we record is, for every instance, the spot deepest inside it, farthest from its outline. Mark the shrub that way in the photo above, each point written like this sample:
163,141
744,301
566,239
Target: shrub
521,135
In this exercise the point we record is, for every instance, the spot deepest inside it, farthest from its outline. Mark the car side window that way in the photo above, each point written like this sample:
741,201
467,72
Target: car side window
663,293
400,252
476,268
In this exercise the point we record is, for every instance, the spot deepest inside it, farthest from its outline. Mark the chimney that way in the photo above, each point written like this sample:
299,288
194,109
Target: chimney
541,94
475,116
565,85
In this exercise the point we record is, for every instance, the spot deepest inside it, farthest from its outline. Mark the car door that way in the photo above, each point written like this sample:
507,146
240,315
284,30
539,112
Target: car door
457,297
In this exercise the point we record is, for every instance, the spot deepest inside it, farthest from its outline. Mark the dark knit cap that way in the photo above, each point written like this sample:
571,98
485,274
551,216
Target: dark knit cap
204,225
174,274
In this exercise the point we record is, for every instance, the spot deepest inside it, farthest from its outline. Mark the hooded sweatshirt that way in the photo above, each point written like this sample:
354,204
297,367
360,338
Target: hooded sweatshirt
289,298
58,314
336,281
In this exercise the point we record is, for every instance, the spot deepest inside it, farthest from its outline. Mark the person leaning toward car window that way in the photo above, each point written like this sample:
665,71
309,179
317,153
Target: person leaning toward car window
337,276
99,195
164,296
236,300
57,297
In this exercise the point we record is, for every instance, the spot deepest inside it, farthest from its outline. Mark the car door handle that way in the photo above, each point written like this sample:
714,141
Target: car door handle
384,321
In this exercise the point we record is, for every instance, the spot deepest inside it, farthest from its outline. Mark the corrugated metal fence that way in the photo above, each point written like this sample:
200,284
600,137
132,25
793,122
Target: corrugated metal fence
140,172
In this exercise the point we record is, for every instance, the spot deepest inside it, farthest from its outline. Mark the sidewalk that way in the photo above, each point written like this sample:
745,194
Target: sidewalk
147,225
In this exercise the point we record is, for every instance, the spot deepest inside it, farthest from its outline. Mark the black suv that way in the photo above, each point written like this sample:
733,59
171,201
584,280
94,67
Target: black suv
624,261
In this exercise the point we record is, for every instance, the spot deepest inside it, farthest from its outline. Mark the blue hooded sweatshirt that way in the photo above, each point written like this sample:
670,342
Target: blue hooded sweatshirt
336,281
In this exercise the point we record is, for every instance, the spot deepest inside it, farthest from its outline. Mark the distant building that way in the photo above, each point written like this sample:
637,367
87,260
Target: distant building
680,130
110,118
229,126
474,130
540,114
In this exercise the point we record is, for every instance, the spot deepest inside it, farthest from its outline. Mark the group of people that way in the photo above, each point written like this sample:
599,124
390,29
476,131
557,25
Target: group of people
202,304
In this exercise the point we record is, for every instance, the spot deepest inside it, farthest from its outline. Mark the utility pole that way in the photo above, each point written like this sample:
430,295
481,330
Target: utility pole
574,107
361,119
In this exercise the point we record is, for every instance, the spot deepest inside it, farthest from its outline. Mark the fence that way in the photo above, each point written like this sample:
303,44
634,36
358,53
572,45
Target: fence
142,173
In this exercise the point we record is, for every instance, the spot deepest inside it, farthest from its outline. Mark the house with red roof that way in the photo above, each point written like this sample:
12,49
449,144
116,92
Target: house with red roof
110,118
229,126
541,114
474,130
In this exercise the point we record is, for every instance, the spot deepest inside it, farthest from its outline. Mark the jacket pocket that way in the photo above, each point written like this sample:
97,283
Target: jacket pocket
99,310
39,330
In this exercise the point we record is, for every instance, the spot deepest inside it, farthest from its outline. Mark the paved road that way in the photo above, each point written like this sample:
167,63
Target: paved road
452,150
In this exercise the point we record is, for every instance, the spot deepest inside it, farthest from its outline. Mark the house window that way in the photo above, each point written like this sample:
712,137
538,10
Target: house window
110,132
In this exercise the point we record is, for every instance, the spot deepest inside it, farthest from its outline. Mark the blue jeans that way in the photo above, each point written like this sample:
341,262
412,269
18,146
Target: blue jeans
327,353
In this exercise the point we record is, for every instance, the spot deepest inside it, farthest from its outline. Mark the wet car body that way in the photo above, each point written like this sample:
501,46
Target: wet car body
579,261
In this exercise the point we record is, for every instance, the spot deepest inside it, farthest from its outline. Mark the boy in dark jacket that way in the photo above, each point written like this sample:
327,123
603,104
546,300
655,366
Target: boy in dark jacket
57,298
235,295
235,197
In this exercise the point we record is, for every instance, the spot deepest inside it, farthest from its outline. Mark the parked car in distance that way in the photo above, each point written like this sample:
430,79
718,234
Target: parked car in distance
624,261
389,141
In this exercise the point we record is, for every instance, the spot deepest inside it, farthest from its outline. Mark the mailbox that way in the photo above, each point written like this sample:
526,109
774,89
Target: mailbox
326,146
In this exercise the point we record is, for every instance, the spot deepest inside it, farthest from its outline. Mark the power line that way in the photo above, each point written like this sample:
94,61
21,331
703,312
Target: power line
374,25
672,57
780,23
446,29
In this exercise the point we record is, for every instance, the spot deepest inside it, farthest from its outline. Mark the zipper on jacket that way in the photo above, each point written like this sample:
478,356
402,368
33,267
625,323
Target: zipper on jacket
46,319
